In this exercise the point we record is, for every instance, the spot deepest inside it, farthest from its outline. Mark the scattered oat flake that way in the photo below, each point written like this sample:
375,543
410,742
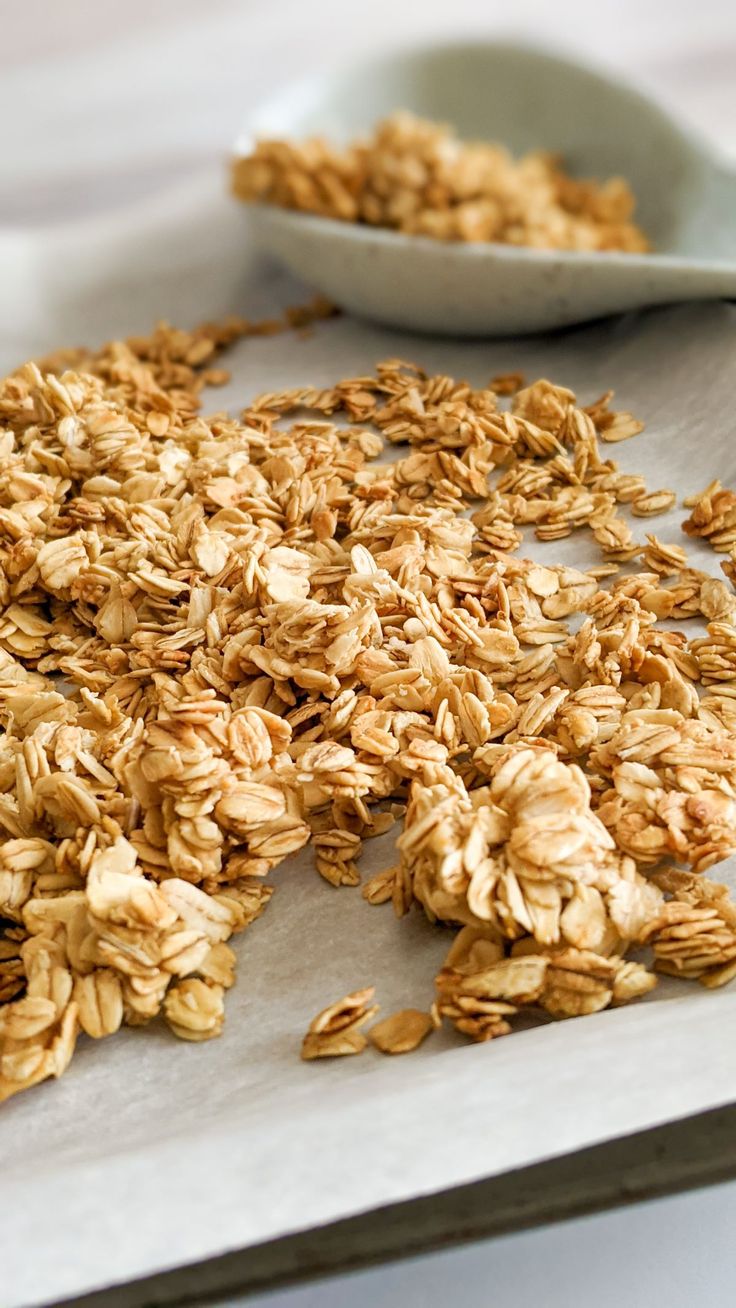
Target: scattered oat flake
652,503
335,1032
401,1032
379,888
506,383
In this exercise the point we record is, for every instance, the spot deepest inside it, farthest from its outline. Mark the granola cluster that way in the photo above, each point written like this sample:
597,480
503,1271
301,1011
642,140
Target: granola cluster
222,639
415,176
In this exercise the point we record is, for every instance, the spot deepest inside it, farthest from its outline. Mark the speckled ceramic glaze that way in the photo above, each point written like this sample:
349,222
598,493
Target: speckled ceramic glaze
526,99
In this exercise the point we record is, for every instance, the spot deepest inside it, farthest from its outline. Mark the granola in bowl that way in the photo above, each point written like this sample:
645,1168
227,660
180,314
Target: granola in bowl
416,177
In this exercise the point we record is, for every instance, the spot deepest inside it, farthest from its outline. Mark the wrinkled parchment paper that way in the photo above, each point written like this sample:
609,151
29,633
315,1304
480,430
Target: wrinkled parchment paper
151,1153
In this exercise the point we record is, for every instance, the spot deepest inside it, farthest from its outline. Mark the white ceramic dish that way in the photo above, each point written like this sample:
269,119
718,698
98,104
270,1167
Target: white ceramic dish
527,99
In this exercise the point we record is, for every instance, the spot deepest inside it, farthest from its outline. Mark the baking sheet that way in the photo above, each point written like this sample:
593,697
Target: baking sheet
151,1153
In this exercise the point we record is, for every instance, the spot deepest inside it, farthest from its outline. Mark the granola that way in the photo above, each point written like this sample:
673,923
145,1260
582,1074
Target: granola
562,983
401,1032
223,639
335,1032
416,176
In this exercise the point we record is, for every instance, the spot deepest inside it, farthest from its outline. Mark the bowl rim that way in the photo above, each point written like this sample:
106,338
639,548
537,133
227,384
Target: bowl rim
336,229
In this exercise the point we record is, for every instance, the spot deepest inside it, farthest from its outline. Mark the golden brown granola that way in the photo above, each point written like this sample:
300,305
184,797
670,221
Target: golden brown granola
695,933
401,1032
416,176
713,517
562,983
222,639
335,1032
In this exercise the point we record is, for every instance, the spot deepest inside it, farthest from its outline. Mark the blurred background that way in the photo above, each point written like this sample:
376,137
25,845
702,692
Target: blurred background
102,103
116,121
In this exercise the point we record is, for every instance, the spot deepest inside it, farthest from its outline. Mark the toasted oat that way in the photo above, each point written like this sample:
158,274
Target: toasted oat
562,983
695,933
506,383
401,1032
379,888
417,177
194,1009
653,502
667,560
713,517
335,1031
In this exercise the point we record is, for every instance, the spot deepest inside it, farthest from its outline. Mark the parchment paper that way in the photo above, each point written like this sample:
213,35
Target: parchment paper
151,1153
